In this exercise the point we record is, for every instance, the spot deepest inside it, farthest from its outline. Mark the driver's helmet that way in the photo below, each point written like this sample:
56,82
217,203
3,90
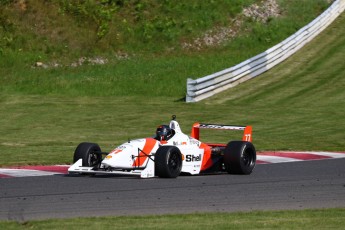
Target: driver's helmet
163,133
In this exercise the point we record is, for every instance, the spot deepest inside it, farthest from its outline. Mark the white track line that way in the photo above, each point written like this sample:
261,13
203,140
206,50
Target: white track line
328,154
26,172
275,159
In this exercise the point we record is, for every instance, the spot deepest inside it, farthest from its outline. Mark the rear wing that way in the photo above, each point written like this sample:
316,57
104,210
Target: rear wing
247,130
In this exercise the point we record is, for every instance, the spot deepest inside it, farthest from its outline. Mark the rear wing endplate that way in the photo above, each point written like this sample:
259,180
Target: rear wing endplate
247,130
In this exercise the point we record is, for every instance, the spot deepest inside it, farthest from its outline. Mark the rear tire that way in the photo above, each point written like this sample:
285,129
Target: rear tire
89,152
239,157
168,162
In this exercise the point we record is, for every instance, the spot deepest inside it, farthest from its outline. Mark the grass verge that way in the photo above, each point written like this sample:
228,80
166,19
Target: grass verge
303,219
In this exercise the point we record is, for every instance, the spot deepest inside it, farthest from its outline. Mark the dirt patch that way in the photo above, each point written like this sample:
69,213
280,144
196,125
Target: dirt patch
262,12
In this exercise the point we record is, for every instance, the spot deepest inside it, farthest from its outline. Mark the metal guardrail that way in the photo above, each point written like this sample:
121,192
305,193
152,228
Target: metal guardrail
210,85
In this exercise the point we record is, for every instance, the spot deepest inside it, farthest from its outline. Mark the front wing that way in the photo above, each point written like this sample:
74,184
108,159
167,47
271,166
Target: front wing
146,172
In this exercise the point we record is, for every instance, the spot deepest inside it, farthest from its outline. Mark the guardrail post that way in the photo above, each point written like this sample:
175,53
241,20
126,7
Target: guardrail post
190,90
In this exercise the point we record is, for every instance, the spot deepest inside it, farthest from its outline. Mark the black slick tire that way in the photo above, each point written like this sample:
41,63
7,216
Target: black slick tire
168,162
89,152
239,157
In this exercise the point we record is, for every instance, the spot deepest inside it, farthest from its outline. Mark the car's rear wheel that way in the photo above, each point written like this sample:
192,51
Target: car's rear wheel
89,153
168,162
239,157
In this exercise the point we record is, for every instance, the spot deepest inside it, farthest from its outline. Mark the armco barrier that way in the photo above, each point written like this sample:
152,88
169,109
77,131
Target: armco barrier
207,86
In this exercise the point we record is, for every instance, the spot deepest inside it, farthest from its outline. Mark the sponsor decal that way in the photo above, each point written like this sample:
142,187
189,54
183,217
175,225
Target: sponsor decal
213,126
116,151
122,147
179,143
193,141
192,158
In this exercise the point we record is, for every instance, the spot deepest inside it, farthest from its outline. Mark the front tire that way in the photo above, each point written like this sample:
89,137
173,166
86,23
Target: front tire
89,153
239,157
168,162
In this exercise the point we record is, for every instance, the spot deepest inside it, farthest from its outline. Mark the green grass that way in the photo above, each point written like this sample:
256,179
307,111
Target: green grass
306,219
130,26
152,68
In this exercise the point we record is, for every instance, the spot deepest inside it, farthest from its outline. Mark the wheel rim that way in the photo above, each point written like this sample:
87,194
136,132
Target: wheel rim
93,159
174,162
248,158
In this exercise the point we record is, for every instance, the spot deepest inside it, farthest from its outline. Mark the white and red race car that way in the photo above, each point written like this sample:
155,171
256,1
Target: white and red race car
169,153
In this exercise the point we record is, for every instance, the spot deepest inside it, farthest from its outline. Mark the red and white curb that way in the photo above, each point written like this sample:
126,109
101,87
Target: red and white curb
262,158
26,171
287,156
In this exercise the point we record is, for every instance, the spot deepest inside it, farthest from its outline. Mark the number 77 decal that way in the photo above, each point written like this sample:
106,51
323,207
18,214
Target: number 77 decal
247,135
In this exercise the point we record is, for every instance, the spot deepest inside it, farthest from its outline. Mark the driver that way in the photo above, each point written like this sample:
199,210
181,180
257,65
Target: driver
164,133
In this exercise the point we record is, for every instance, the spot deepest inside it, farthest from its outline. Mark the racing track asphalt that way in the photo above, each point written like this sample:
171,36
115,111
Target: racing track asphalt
297,185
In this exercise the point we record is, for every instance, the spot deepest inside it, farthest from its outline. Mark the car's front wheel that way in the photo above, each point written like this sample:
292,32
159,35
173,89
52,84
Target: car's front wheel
168,162
89,153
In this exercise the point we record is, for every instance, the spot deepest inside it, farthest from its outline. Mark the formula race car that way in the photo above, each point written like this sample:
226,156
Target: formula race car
168,154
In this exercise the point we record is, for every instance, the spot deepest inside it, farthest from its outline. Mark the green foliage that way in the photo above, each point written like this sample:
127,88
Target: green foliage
99,12
6,29
5,2
107,26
